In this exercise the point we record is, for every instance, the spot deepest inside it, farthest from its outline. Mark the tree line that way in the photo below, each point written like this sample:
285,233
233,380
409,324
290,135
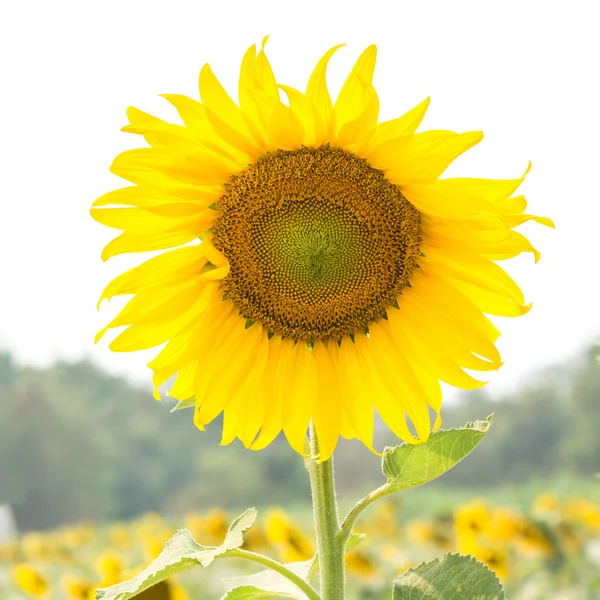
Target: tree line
79,443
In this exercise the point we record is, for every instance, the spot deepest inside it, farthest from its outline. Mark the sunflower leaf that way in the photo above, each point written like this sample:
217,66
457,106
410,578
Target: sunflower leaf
410,465
453,577
249,592
266,584
181,552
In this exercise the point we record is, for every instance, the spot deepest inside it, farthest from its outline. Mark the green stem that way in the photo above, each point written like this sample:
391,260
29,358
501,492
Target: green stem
276,566
350,519
330,547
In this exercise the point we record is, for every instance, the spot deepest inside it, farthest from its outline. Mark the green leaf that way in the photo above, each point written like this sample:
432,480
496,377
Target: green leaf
353,541
409,465
268,582
181,552
453,577
249,592
189,403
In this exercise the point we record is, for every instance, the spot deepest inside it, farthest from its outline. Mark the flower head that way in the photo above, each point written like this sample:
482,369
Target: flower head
314,265
30,580
287,538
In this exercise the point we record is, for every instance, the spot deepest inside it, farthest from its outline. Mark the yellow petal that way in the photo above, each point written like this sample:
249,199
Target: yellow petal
460,198
160,166
316,90
240,413
490,302
158,272
405,392
141,336
271,417
235,347
279,370
328,410
420,158
145,242
183,386
298,409
353,97
405,125
406,335
313,126
355,392
353,133
215,98
387,404
139,220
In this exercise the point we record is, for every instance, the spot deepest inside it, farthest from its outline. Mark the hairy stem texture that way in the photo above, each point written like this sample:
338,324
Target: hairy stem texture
330,546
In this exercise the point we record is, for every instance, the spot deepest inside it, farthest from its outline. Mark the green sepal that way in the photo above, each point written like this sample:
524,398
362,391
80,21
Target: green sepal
452,577
410,465
181,552
189,403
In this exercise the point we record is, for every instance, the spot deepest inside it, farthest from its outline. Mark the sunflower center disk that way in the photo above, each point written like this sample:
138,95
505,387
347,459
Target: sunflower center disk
319,243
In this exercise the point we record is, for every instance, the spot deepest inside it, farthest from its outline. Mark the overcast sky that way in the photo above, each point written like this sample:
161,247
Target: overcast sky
525,72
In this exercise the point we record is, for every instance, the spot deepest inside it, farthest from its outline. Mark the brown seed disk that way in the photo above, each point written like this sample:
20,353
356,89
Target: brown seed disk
319,243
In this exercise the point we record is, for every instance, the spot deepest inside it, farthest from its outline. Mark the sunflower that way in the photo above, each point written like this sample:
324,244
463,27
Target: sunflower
76,588
287,538
30,580
315,266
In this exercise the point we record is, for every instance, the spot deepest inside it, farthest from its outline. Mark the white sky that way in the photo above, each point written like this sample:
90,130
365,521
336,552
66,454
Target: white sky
526,72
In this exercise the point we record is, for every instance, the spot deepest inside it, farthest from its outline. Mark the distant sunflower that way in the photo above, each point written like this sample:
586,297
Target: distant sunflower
30,580
322,271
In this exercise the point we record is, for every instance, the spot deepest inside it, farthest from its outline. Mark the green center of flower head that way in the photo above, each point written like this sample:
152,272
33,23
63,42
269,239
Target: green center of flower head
318,242
314,245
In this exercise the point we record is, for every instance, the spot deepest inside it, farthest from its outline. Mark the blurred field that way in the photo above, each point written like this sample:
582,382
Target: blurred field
78,445
545,551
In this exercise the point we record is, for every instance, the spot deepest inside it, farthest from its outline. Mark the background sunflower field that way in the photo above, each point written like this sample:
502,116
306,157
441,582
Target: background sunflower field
87,510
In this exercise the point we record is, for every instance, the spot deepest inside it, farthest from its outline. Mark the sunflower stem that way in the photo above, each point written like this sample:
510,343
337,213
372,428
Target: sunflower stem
330,546
348,523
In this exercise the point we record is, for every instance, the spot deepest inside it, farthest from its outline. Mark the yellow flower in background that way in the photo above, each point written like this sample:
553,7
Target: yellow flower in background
503,525
34,545
78,589
428,532
287,538
8,551
152,544
497,559
216,525
531,539
78,536
255,539
195,524
316,267
110,566
360,564
30,580
568,537
120,536
470,521
177,591
384,521
545,503
583,512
